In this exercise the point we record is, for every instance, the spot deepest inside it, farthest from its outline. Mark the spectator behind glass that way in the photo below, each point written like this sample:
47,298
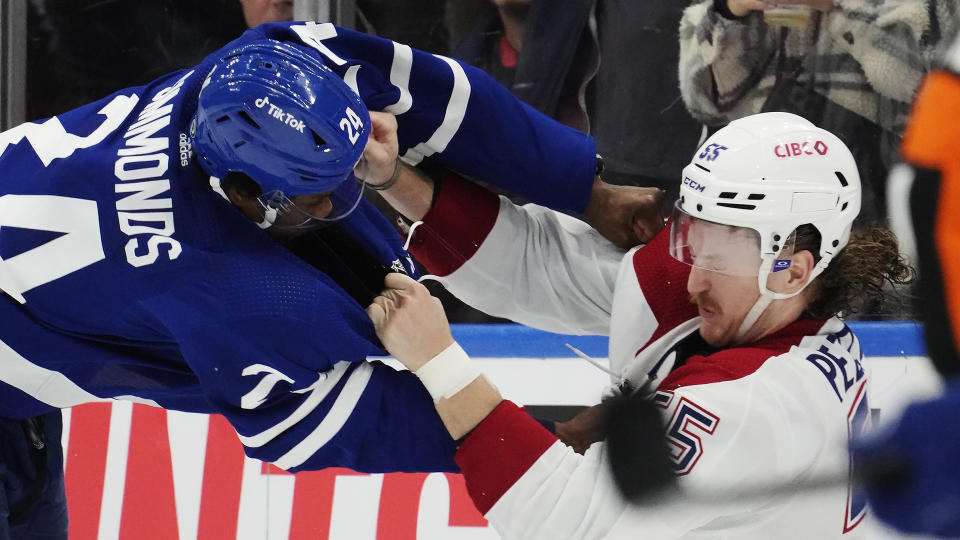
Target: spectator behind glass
851,66
643,131
256,12
417,23
529,47
539,49
488,34
101,46
588,63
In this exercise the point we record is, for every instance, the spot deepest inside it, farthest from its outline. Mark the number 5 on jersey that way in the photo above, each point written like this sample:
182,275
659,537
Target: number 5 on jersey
684,431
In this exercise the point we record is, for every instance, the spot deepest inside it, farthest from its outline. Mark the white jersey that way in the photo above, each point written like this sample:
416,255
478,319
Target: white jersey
777,412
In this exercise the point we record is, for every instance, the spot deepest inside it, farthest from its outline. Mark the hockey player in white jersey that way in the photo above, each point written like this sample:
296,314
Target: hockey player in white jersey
726,321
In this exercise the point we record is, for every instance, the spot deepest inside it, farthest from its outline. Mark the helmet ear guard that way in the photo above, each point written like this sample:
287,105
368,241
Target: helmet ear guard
773,172
277,114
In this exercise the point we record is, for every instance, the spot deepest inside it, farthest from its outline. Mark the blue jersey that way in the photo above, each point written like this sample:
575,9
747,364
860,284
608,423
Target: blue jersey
127,276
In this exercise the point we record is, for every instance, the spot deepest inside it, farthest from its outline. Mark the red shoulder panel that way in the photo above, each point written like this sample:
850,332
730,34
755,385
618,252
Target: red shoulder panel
736,363
459,221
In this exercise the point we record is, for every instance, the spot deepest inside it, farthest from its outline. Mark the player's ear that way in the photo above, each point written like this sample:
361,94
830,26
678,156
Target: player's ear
801,266
235,196
243,200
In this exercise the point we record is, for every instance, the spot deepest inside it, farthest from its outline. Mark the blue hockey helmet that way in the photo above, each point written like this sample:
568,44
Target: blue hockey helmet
276,114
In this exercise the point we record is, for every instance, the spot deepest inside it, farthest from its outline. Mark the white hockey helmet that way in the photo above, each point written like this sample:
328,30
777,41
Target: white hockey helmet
771,173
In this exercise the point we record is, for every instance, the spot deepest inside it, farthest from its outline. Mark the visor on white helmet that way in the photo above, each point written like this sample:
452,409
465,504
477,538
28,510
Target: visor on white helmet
715,247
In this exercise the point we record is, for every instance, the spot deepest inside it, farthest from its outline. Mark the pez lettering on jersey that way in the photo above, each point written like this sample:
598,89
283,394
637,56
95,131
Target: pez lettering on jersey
840,365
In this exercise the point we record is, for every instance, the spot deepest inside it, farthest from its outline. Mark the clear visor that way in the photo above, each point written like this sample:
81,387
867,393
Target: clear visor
306,211
725,249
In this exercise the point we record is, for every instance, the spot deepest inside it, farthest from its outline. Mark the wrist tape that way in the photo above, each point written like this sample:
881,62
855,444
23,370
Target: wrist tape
447,373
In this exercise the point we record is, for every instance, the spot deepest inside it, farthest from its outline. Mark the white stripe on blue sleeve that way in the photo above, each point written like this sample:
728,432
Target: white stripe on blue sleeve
334,420
400,77
452,119
324,384
50,387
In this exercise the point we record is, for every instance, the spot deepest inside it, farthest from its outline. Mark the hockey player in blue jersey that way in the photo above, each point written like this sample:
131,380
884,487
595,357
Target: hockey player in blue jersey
155,288
149,241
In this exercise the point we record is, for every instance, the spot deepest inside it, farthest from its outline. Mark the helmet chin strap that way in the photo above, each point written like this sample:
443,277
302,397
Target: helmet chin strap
767,296
269,216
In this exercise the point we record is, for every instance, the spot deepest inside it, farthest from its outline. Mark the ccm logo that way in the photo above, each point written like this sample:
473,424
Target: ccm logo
693,184
797,149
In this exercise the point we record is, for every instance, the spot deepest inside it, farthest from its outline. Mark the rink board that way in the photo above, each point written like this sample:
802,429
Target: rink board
138,472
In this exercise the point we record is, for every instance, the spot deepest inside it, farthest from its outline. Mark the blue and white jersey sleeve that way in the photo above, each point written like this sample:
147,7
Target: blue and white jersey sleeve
280,351
454,114
303,404
364,416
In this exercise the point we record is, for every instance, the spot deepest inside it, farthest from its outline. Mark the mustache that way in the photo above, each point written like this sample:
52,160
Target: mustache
705,302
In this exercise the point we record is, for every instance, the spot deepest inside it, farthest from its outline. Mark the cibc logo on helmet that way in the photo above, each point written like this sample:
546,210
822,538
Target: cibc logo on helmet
799,149
779,172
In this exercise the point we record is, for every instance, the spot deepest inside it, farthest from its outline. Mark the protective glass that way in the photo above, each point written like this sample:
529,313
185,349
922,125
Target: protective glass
725,249
306,211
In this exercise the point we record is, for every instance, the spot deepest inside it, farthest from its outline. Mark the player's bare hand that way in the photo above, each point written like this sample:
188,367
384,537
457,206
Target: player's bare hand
584,429
380,155
625,215
409,321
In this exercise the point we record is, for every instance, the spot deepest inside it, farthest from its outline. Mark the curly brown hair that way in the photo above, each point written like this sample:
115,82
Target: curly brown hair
867,274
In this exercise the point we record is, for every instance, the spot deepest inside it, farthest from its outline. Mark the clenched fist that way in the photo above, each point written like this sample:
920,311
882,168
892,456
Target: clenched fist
380,155
409,321
625,215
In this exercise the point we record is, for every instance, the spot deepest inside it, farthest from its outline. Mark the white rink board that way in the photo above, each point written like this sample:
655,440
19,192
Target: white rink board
265,502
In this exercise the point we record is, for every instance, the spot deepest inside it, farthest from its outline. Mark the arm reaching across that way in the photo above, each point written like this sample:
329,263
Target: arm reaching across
468,232
412,326
625,215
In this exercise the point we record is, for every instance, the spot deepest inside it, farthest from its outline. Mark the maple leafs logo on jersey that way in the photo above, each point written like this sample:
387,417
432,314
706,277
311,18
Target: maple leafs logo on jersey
398,267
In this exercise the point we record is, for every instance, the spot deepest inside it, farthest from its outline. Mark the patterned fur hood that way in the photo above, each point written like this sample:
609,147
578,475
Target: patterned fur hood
865,55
